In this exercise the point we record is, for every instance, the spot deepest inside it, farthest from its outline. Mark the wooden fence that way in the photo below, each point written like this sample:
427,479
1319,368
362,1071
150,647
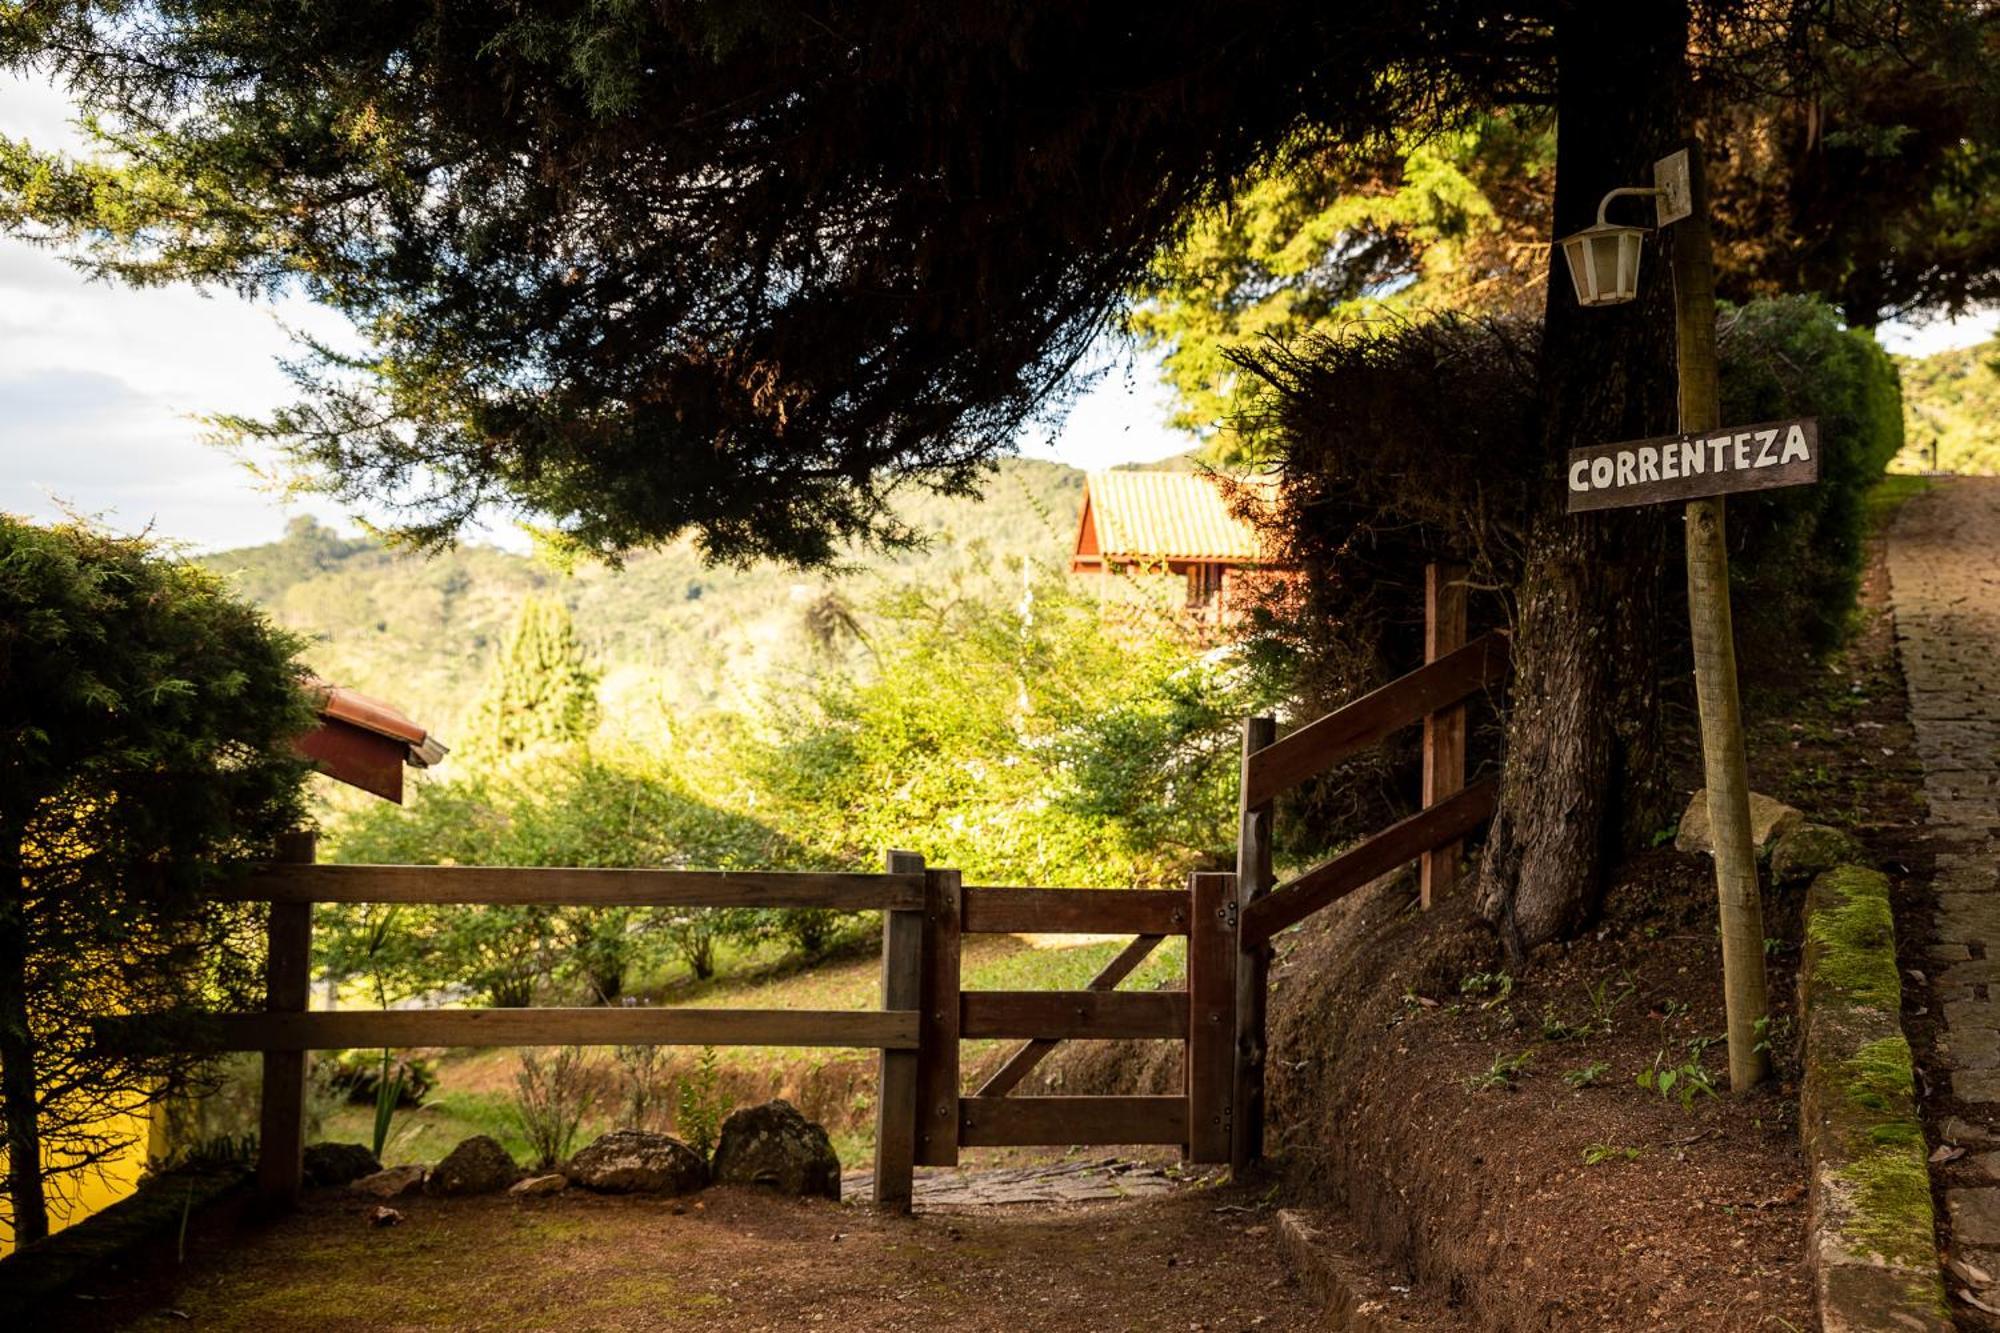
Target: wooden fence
1435,695
922,1117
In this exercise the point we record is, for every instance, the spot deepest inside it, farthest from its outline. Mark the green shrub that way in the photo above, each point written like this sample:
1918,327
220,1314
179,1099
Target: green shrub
357,1075
1796,554
1411,442
1052,738
609,807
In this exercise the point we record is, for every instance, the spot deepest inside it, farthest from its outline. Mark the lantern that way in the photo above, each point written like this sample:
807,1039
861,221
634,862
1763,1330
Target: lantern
1604,262
1604,259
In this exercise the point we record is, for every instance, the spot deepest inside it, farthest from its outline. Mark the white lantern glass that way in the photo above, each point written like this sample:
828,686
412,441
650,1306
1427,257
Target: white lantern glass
1604,263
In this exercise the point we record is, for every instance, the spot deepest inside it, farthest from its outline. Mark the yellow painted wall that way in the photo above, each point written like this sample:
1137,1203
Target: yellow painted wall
99,1189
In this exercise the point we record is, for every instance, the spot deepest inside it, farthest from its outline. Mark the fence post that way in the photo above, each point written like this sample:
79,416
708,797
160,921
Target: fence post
937,1050
1444,730
1254,879
896,1097
287,988
1211,1043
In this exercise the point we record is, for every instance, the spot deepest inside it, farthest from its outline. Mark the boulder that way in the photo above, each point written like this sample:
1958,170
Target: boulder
774,1146
554,1182
391,1184
1770,819
477,1166
330,1164
638,1161
1809,851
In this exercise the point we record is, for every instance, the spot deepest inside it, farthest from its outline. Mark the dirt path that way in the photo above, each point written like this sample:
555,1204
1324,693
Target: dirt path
1944,567
1194,1257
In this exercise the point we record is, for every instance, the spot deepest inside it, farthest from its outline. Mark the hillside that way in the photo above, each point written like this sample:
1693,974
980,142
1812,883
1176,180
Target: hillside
1951,400
671,634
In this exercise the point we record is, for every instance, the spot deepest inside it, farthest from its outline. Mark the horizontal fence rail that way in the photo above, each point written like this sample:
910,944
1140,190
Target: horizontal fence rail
1070,1015
337,1030
1317,746
1369,860
542,887
1009,911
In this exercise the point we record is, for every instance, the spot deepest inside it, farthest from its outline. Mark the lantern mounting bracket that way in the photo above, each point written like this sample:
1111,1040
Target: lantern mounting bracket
1673,191
1620,193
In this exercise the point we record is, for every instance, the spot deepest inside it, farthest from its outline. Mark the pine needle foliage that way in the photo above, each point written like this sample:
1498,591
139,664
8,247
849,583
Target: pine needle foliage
146,720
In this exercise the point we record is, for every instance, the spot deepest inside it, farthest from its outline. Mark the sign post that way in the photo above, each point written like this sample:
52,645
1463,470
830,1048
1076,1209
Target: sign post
1700,466
1722,753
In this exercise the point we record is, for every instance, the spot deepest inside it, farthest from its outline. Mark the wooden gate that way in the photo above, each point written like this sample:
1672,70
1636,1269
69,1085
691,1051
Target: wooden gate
1199,1016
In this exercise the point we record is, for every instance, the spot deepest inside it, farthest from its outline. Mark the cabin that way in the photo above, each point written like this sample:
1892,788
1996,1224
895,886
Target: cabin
364,742
1179,523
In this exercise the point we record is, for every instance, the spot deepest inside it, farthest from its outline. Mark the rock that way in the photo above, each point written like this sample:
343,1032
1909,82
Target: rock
774,1146
330,1164
1802,855
391,1184
638,1161
533,1186
1770,819
477,1166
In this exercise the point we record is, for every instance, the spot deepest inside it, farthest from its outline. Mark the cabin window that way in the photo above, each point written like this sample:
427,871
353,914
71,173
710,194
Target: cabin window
1204,585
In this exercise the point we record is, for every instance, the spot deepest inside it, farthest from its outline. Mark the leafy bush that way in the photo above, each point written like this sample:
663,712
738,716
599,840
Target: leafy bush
1952,407
1795,554
1056,739
357,1075
700,1107
614,806
645,1098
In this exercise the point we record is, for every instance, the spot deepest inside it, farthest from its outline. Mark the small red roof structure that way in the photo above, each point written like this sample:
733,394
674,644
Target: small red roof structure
366,743
1178,522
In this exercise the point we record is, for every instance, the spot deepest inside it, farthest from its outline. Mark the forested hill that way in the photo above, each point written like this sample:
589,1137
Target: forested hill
671,634
1952,400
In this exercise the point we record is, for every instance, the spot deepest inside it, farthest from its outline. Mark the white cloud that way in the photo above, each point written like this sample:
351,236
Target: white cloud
1908,339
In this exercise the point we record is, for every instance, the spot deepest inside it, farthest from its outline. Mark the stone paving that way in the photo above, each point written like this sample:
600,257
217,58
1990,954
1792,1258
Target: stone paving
1073,1181
1944,571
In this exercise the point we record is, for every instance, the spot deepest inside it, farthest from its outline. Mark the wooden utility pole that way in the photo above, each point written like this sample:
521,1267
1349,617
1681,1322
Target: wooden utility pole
1724,763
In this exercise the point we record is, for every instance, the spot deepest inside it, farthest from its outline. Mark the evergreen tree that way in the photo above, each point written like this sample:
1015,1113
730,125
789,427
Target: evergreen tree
146,721
746,267
541,691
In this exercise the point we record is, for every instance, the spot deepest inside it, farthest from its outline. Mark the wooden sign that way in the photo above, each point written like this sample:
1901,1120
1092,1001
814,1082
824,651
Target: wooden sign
1681,467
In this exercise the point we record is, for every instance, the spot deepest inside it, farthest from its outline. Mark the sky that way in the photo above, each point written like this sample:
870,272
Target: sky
101,387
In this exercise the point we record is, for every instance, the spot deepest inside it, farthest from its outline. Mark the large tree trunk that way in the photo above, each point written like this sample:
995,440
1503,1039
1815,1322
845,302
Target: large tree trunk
1583,779
17,1055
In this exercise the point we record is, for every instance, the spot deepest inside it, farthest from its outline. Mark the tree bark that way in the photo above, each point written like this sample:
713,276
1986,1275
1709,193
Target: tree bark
17,1056
1584,780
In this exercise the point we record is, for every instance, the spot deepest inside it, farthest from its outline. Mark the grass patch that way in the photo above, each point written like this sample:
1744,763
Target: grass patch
1888,495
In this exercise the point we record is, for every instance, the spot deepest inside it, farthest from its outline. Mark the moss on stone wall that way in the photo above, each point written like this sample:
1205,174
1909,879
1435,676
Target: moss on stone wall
1875,1236
1852,935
